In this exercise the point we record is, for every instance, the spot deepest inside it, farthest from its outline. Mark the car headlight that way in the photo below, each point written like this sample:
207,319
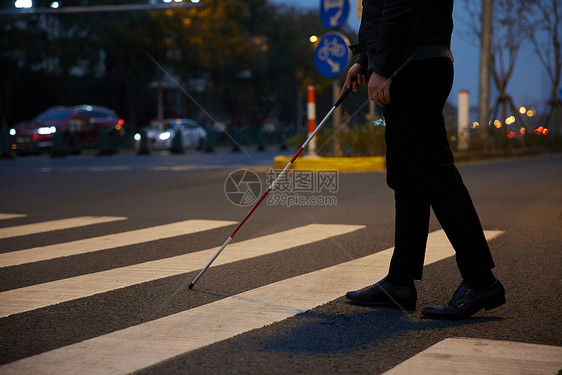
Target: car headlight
164,136
137,137
12,131
46,130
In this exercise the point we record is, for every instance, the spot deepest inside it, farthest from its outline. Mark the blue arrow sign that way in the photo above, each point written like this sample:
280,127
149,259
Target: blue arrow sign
331,55
333,13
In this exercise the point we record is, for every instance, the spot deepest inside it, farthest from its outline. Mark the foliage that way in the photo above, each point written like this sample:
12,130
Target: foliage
358,140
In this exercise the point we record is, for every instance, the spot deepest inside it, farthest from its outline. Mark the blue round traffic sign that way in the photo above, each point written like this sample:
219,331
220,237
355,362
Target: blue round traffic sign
333,13
332,54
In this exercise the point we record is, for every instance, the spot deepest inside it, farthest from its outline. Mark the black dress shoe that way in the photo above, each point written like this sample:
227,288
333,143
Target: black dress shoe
466,302
385,294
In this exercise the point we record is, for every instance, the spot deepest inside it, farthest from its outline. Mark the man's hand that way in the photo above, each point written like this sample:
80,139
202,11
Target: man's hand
378,86
379,89
356,78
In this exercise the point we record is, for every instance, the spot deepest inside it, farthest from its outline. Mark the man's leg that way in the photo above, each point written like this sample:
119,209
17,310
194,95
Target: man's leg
415,121
412,213
411,230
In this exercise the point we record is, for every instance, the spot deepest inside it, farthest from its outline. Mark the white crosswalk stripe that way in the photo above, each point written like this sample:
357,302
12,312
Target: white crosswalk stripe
478,356
4,216
47,226
149,343
109,241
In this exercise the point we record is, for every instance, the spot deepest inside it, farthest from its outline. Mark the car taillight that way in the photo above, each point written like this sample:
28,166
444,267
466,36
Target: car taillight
119,127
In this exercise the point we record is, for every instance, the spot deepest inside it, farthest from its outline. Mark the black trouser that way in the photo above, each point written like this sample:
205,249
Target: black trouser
421,171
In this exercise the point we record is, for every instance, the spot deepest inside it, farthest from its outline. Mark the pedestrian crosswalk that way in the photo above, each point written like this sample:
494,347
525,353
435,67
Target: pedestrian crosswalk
146,344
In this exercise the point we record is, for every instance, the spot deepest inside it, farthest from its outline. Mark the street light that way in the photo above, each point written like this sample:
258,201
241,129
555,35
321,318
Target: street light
23,4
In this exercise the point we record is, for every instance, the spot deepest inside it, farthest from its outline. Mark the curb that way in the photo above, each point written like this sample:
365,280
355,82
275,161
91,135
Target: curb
343,164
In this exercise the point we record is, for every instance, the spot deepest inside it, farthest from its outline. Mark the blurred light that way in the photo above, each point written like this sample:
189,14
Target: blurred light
137,137
195,1
511,134
313,39
475,125
12,131
55,4
167,1
522,110
46,130
523,131
539,130
497,124
164,136
530,112
23,3
120,122
510,120
545,131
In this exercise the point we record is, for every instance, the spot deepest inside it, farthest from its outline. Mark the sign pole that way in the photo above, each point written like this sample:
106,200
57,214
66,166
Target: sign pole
311,117
336,119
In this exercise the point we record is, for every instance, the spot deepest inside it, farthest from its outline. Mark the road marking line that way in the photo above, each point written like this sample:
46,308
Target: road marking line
149,343
48,226
11,216
189,167
46,294
109,241
482,357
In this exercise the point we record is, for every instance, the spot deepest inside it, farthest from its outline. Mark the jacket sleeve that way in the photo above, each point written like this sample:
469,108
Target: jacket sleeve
362,60
393,39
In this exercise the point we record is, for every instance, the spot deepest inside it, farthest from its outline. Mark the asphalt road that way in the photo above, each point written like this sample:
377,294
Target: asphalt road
521,197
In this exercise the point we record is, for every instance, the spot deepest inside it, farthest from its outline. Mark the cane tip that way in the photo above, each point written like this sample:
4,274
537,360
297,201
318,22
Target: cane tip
190,286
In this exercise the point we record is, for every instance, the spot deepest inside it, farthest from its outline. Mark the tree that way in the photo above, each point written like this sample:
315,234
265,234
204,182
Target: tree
510,26
546,38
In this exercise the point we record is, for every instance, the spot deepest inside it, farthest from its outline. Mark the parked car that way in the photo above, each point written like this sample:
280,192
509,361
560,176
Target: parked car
160,133
79,127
